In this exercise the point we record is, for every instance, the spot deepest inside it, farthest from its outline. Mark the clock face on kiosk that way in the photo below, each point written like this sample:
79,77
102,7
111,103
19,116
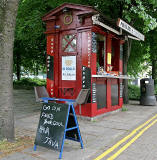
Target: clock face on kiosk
68,19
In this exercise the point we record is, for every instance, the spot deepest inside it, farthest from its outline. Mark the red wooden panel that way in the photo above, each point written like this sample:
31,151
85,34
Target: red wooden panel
50,87
50,26
50,45
109,93
116,56
108,48
56,65
98,30
84,111
121,66
120,102
86,48
93,64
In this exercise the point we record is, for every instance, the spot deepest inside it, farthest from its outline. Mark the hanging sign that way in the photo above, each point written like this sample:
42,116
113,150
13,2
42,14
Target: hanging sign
122,24
68,67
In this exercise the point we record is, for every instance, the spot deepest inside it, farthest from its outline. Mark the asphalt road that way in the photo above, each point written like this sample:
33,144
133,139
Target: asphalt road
139,144
144,148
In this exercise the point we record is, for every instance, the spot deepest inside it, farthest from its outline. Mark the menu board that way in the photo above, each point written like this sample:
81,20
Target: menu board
51,125
86,77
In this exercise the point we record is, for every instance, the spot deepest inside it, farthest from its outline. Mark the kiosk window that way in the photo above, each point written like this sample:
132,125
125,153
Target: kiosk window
101,51
69,43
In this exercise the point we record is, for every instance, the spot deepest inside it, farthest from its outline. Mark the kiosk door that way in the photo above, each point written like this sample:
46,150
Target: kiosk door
68,65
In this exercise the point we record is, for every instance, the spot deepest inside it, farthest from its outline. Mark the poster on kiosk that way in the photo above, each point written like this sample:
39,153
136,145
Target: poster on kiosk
68,67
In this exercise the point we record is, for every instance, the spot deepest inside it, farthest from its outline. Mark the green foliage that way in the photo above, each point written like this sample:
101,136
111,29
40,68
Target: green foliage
139,60
28,83
134,92
149,22
29,36
144,53
30,41
124,109
155,89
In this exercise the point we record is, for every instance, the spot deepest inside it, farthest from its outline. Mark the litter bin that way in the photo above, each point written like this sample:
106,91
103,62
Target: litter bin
147,92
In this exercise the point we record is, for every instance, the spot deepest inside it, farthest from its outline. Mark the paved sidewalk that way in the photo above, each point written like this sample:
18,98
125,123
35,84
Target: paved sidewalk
98,135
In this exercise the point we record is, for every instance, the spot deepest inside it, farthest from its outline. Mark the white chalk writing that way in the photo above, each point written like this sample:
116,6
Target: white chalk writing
53,108
57,109
53,123
52,142
44,130
47,115
45,107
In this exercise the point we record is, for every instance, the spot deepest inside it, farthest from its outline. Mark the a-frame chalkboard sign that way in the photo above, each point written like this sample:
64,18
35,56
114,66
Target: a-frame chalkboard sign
57,122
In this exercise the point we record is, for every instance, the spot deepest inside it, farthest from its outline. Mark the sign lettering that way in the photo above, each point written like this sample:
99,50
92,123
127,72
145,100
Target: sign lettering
122,24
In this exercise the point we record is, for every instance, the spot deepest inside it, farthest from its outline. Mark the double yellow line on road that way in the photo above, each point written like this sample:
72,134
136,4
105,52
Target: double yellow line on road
126,138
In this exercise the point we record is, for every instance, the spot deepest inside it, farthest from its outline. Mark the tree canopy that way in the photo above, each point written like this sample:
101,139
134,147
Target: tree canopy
29,50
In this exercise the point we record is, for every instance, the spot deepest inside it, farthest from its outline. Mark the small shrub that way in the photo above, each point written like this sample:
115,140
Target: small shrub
134,92
28,83
155,89
124,109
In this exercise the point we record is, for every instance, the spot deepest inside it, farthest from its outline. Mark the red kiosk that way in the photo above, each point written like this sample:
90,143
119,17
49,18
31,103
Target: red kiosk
84,51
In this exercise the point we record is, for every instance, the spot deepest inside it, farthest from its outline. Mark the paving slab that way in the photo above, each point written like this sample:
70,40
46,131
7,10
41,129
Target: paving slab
97,135
20,156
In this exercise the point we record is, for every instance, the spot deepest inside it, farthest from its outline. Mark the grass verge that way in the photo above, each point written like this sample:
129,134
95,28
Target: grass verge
19,144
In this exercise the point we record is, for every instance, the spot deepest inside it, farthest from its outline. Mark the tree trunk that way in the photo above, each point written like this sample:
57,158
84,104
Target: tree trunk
8,11
126,54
